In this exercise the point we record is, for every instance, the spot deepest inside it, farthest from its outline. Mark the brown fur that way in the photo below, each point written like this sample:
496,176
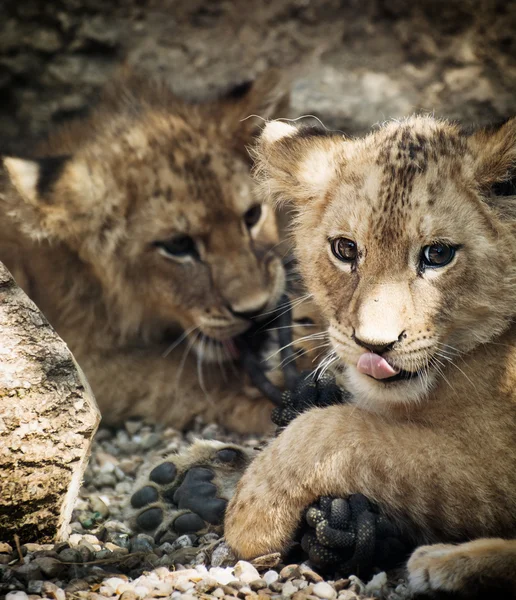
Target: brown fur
80,235
437,451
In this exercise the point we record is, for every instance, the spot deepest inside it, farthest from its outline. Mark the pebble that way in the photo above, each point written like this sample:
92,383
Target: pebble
142,543
270,577
245,572
288,589
289,571
324,590
16,596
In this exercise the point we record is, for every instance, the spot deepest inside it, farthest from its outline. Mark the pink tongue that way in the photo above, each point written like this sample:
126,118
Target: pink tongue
375,366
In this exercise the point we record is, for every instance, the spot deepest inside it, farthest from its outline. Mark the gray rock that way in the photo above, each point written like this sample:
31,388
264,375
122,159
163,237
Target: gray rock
28,572
70,555
142,543
51,567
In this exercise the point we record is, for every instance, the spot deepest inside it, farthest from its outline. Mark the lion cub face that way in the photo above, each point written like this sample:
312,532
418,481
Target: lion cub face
154,195
406,250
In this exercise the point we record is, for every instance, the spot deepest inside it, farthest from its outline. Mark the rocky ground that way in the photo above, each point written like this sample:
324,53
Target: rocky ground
104,559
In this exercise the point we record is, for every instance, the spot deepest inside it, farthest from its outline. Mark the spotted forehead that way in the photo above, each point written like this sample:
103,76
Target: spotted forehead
169,168
408,159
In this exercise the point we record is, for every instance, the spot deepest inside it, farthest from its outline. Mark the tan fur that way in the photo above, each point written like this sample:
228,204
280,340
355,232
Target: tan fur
144,168
438,451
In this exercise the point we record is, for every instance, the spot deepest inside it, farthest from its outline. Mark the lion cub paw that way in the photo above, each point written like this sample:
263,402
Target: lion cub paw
188,492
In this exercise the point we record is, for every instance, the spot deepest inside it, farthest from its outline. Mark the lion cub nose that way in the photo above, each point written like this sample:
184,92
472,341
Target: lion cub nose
376,346
250,308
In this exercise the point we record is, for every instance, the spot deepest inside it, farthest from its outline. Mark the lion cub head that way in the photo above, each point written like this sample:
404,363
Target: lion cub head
403,242
153,196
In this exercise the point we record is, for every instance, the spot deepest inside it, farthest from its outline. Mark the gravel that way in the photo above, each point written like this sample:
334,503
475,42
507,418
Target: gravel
103,558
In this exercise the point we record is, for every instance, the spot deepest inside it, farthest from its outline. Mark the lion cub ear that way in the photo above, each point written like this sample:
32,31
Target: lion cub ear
494,153
248,106
34,179
297,164
39,206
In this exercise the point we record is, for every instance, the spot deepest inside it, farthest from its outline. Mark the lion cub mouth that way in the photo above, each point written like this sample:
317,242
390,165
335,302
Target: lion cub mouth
375,366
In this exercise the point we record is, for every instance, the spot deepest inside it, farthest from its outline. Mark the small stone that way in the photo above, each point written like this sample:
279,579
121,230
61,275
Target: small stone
28,572
257,584
289,571
246,572
33,547
51,567
341,584
324,590
270,577
206,585
288,589
16,596
129,595
311,575
99,506
222,575
70,555
150,440
142,543
184,541
51,590
35,587
218,593
133,426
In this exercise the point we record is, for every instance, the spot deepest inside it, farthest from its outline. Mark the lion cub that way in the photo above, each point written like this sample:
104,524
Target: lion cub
411,257
138,234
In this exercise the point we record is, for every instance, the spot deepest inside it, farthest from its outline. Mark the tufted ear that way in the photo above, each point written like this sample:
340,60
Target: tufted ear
46,197
297,165
247,106
494,153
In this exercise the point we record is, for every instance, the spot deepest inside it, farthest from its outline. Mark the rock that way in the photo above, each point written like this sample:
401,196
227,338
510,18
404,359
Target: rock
245,571
70,555
184,541
51,567
222,575
16,596
150,440
51,590
206,585
288,589
290,571
324,590
28,572
257,584
270,577
142,543
377,585
44,40
35,587
310,574
97,505
5,548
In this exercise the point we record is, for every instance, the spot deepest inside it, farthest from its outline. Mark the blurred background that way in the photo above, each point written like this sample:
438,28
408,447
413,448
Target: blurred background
355,62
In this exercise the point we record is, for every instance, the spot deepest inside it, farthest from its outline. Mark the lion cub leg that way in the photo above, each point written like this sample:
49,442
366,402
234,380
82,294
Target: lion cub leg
188,492
478,568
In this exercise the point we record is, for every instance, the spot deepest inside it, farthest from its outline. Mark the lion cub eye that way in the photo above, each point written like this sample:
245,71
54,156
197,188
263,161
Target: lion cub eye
182,245
437,255
252,216
344,249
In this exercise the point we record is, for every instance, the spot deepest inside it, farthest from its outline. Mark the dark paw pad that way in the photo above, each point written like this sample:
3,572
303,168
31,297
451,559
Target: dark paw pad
198,494
145,495
150,519
164,473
